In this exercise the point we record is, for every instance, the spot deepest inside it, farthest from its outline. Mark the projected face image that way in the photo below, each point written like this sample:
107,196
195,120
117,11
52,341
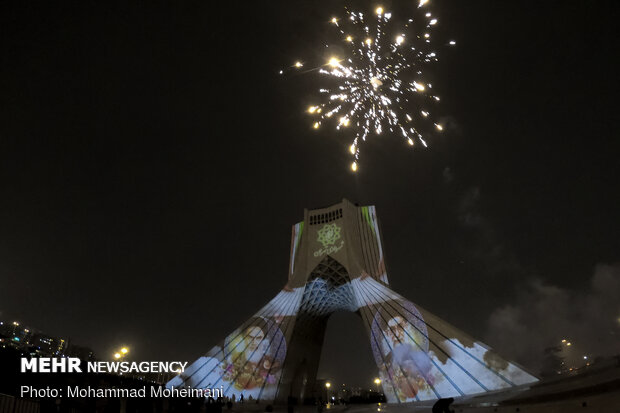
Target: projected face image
255,357
421,357
403,351
396,330
254,338
249,360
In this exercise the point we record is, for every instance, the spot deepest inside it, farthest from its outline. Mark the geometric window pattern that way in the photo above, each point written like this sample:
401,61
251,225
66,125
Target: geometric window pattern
326,217
328,290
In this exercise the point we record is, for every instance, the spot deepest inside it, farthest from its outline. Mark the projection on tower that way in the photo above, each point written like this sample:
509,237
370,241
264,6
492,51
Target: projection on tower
337,263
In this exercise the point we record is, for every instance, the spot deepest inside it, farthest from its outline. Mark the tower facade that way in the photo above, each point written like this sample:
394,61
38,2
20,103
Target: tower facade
337,263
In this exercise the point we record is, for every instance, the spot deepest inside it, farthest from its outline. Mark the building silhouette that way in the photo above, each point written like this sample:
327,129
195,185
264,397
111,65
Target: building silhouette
35,343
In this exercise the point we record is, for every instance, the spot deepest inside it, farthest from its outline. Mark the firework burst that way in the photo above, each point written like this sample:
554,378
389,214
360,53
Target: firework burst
378,84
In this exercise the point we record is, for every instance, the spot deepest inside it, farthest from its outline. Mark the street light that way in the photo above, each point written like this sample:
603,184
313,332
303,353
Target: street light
121,353
327,386
377,383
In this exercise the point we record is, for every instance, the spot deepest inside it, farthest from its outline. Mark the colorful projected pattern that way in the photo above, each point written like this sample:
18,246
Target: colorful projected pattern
369,215
295,238
418,355
249,361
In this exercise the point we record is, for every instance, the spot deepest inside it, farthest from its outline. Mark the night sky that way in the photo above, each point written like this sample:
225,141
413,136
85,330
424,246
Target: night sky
152,162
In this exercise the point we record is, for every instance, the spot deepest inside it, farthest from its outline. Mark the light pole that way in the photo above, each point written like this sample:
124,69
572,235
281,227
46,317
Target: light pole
377,383
327,386
121,354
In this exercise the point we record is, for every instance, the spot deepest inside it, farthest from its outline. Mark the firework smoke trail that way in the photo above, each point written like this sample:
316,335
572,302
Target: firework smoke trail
379,84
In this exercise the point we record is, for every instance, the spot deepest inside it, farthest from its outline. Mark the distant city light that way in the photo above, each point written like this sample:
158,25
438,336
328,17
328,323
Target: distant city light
328,385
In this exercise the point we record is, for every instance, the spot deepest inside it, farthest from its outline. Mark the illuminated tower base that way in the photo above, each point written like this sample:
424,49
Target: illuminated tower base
337,263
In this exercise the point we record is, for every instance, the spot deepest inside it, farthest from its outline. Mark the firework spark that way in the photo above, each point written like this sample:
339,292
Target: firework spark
377,85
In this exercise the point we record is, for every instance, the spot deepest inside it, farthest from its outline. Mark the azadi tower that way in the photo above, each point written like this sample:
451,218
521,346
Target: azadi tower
337,263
